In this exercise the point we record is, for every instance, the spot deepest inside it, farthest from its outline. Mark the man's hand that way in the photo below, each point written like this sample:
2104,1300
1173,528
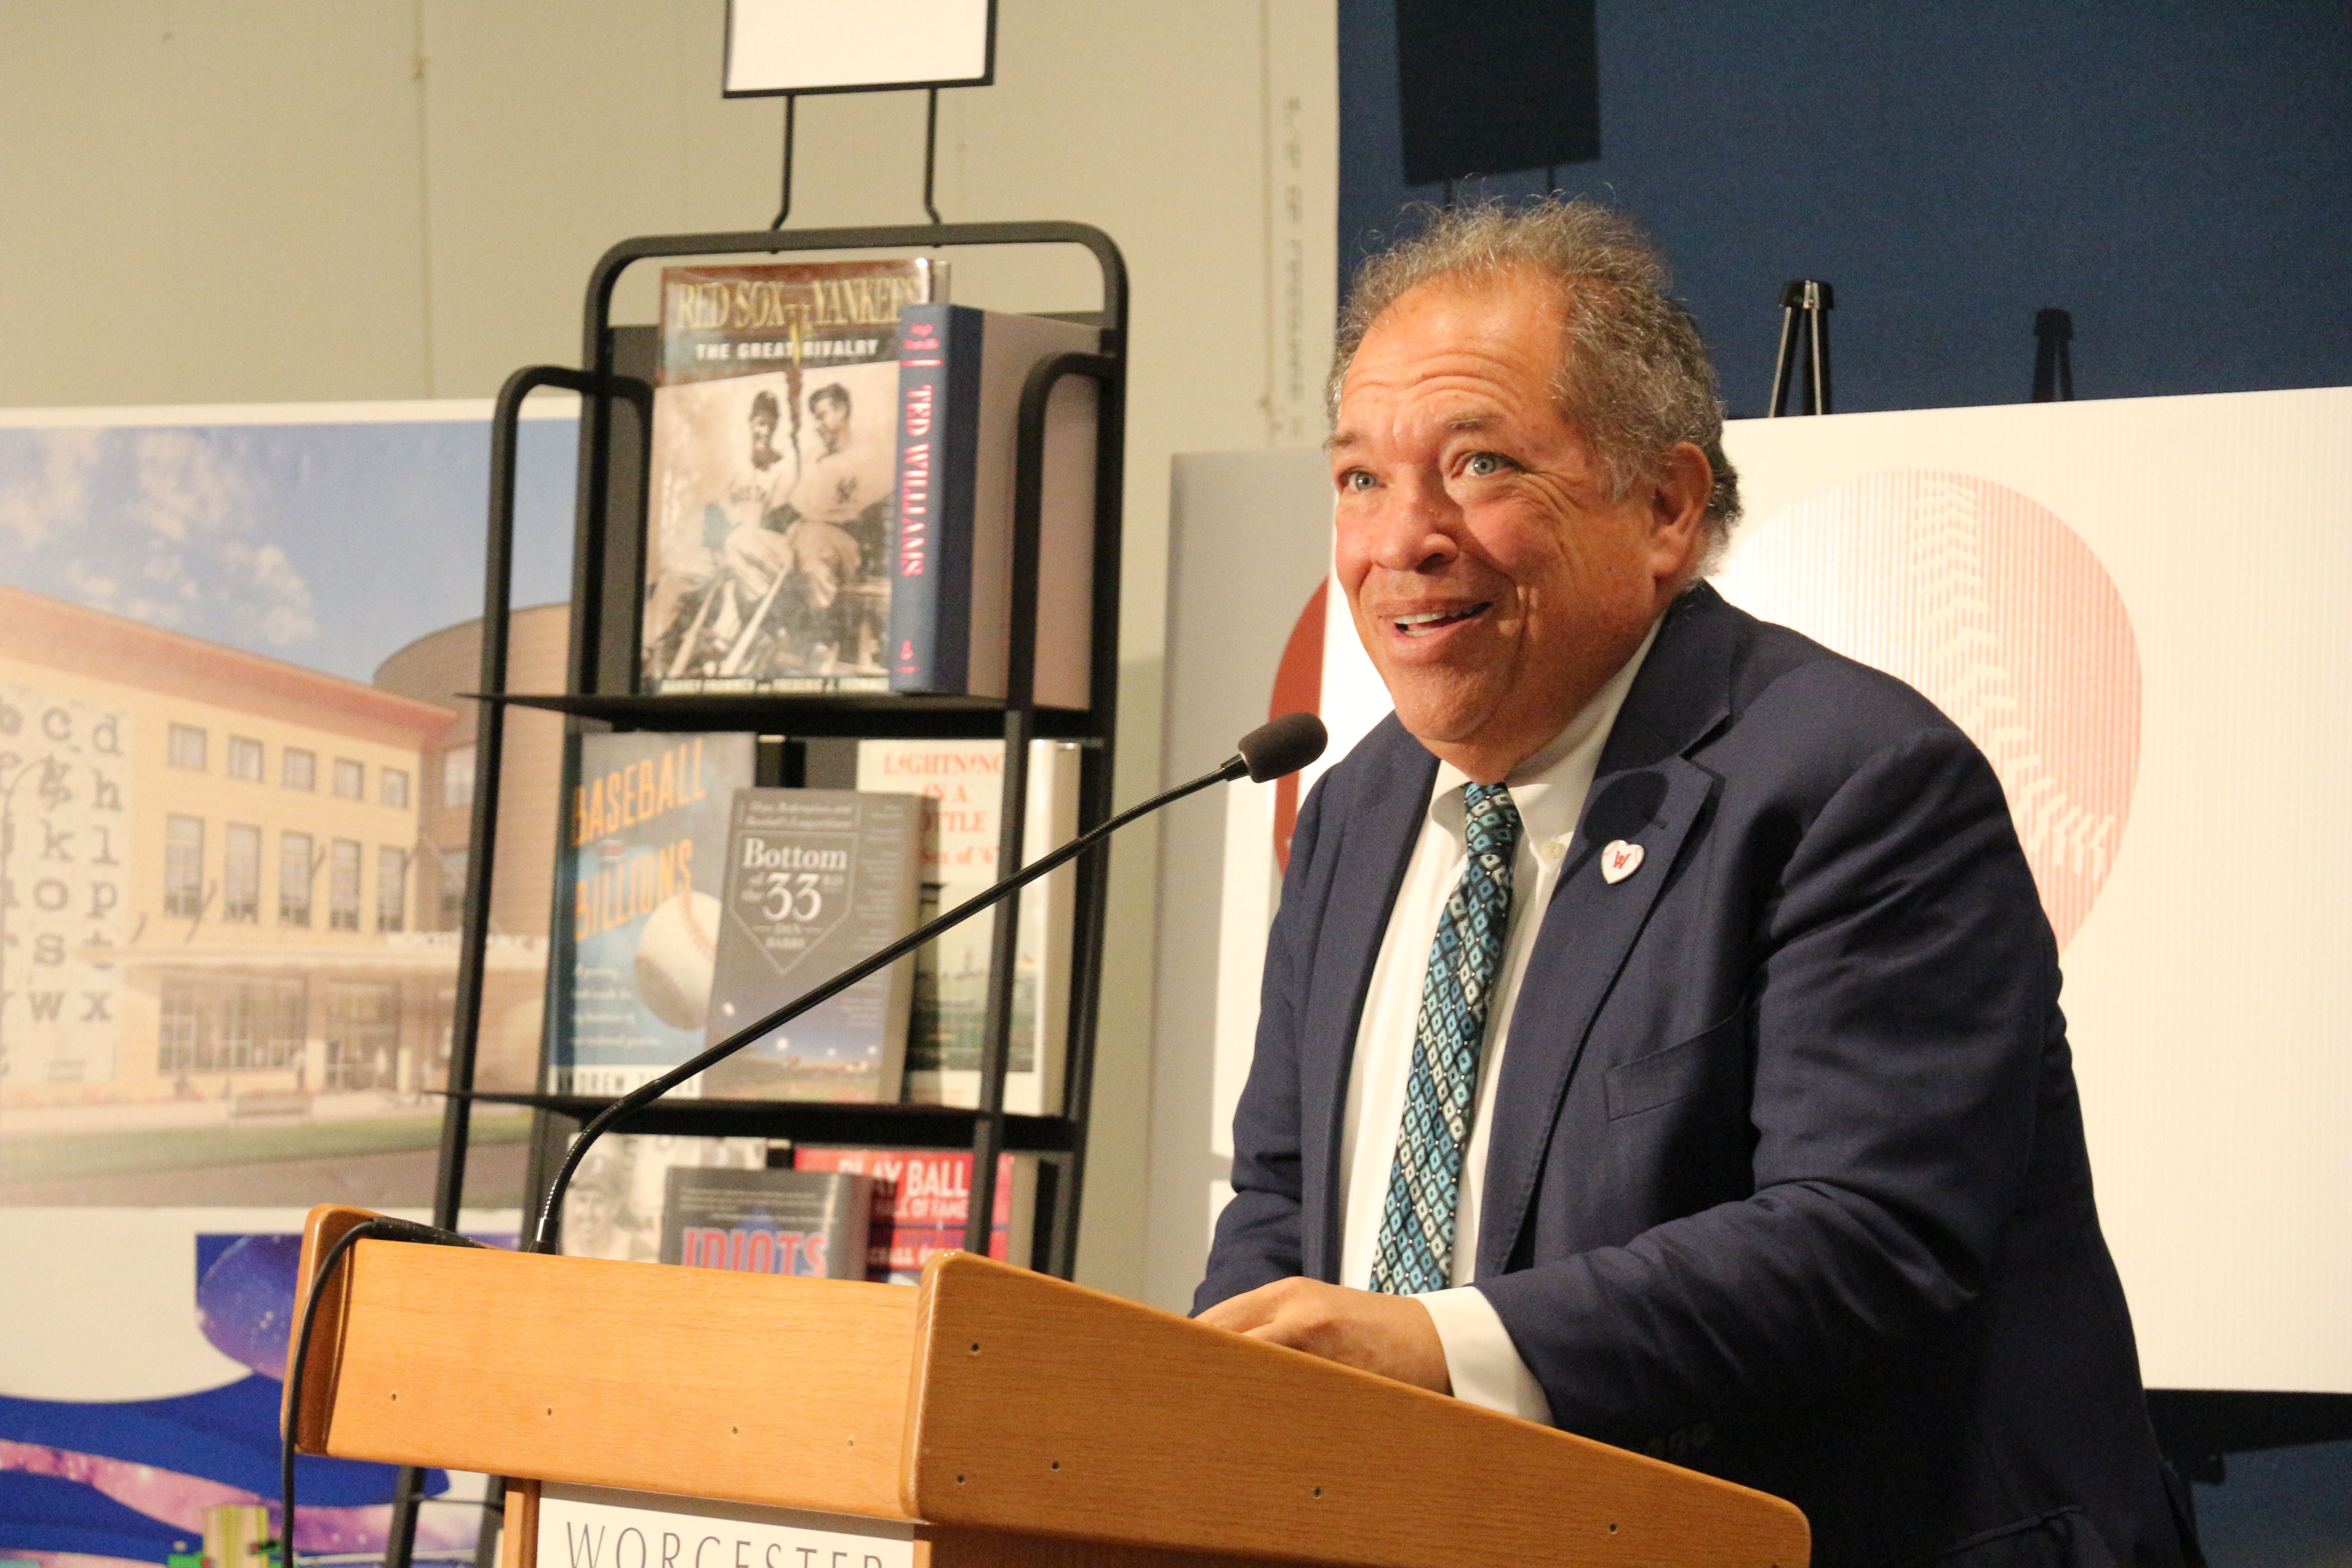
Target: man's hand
1392,1335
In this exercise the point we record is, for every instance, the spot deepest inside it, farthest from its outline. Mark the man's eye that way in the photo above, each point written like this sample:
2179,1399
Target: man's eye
1483,465
1355,480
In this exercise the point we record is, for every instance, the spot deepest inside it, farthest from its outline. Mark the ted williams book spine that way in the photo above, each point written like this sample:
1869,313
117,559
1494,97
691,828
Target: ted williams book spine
960,376
930,565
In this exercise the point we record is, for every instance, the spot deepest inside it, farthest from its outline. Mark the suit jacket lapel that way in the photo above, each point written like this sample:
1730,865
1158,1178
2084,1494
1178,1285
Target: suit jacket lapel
1647,793
1586,933
1377,836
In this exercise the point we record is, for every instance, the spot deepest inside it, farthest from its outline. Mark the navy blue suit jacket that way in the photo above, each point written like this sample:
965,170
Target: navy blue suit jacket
1786,1180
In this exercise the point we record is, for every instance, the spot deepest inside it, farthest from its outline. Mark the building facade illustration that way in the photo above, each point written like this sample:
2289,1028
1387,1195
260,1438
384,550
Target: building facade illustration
216,885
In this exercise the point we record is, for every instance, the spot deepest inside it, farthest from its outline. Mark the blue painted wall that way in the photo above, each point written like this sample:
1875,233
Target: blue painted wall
2178,176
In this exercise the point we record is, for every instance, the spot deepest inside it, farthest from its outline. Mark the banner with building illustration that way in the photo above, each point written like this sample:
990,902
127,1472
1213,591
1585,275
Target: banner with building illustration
236,796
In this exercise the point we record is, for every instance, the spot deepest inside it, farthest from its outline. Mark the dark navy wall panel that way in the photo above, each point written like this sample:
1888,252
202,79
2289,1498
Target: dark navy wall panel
2178,176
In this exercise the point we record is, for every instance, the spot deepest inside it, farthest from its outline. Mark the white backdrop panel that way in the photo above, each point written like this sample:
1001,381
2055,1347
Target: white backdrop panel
2135,607
2206,987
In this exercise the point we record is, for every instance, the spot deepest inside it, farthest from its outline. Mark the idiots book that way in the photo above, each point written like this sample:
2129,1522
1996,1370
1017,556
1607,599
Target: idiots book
770,491
804,1223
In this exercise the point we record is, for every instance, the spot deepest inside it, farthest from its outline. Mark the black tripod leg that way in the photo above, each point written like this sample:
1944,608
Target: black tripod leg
1817,369
1779,404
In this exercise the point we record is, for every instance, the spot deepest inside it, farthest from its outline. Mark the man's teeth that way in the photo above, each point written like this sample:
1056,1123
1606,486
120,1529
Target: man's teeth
1416,625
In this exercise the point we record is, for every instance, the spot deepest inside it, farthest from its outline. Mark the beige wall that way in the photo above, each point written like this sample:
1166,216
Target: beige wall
283,201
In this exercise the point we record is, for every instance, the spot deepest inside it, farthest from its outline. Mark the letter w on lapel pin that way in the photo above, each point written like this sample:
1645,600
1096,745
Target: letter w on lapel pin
1620,860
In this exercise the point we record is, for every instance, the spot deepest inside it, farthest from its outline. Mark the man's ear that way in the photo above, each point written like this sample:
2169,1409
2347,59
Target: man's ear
1678,512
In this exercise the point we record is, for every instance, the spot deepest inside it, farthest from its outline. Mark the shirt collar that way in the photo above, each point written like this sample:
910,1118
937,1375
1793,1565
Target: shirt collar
1548,788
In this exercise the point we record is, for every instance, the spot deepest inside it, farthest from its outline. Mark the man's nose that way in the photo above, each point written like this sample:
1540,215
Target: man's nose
1416,530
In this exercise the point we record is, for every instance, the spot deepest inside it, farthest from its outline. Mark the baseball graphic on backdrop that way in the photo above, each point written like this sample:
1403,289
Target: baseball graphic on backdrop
674,957
1985,601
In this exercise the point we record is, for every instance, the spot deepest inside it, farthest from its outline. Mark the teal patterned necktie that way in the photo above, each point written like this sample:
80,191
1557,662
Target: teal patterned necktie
1416,1249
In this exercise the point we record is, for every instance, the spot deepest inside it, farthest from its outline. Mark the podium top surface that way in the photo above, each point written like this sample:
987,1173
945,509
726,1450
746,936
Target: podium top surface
988,1398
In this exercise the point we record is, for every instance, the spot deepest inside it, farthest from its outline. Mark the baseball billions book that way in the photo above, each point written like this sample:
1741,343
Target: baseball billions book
643,867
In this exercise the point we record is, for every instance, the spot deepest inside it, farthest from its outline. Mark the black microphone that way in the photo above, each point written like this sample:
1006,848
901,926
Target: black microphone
1268,752
1283,746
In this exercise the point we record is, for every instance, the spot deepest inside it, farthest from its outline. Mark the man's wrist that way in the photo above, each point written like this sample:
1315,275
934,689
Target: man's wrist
1481,1363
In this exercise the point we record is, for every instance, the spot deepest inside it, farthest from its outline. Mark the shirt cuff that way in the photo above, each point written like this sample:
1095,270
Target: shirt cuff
1479,1356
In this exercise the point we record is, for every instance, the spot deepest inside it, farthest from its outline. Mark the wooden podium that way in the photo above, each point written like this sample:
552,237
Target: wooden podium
990,1416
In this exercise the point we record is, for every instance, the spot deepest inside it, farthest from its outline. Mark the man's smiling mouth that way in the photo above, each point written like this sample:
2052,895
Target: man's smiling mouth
1428,621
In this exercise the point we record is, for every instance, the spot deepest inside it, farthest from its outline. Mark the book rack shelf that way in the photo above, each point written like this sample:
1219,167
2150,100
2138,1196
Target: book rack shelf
615,428
886,1126
913,718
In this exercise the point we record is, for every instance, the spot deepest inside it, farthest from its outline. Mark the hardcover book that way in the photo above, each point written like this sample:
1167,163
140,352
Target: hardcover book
613,1206
808,1224
961,784
960,376
816,879
644,868
769,499
921,1197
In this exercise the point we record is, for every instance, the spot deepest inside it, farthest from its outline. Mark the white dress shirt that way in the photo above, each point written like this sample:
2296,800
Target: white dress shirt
1548,790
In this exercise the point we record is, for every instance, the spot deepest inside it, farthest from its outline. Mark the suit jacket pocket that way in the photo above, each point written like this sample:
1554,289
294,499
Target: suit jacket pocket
1662,1077
2063,1537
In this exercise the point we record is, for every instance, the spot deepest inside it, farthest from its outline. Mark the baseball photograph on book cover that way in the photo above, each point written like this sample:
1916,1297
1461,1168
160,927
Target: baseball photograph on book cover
816,879
646,869
773,467
613,1206
961,784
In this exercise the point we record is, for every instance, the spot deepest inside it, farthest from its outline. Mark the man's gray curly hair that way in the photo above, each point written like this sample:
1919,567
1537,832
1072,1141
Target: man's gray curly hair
1633,375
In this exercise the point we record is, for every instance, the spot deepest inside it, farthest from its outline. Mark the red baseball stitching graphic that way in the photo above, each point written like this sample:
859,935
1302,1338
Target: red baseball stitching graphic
1988,603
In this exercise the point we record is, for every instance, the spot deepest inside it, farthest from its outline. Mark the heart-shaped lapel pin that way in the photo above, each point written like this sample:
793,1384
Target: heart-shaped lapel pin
1620,860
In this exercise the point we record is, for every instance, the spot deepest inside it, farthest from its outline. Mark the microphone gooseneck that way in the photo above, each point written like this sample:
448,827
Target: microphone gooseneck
1268,752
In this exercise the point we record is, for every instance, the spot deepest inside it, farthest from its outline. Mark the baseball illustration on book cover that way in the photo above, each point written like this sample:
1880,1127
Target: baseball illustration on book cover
774,463
648,838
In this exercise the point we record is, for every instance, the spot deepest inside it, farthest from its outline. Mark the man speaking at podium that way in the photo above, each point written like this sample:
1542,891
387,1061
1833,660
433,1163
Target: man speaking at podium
1660,1032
